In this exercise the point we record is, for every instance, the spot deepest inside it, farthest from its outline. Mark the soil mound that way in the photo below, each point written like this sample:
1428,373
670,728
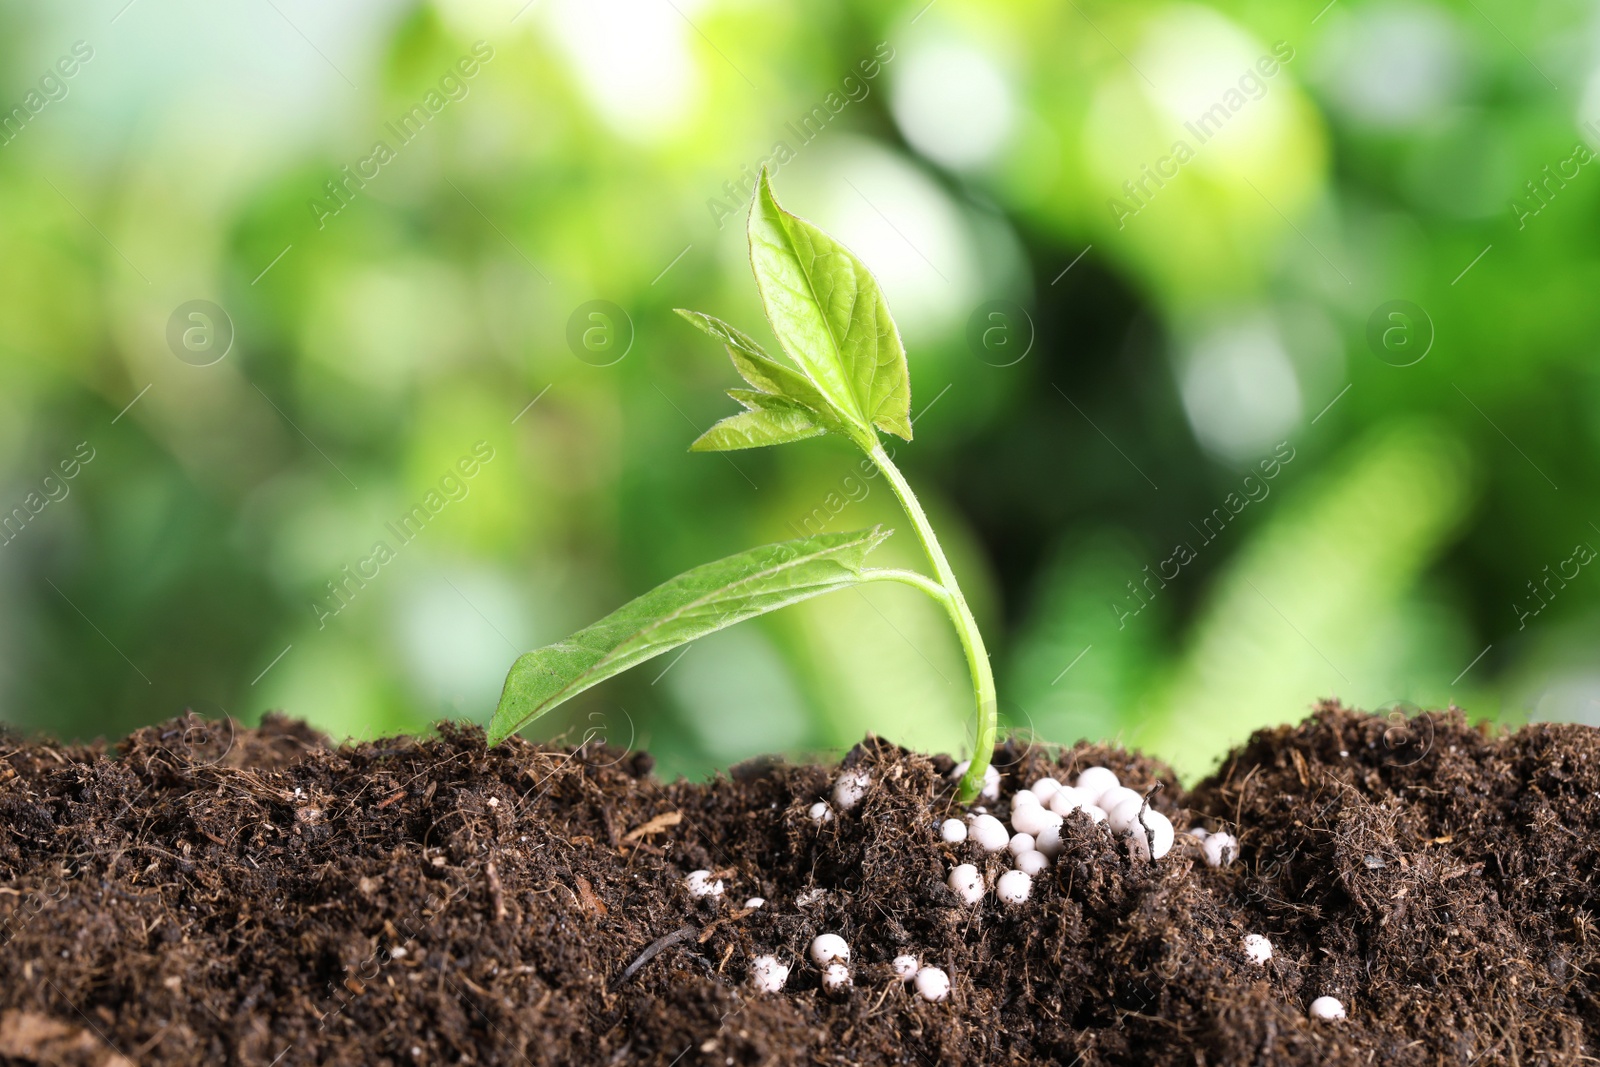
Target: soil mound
207,894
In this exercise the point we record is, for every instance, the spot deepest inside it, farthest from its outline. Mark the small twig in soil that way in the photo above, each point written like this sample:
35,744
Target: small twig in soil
682,933
1149,834
879,1002
591,901
711,927
496,893
654,826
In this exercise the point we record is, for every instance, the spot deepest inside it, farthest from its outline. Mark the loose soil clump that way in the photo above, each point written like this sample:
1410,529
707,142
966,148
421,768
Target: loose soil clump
207,894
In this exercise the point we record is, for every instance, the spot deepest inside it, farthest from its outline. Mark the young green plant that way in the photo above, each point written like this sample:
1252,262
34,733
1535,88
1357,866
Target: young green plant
832,321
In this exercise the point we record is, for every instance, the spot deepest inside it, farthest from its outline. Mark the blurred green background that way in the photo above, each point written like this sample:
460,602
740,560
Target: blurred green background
1195,465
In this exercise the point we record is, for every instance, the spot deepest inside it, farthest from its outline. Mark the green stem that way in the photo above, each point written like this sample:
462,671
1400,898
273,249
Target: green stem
911,578
948,592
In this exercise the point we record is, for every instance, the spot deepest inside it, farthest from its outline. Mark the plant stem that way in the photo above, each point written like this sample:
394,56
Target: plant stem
961,615
911,578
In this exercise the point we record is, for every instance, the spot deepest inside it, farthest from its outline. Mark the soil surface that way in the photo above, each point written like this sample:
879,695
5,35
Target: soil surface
206,894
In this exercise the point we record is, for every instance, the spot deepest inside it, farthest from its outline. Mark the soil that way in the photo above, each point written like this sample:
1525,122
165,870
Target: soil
206,894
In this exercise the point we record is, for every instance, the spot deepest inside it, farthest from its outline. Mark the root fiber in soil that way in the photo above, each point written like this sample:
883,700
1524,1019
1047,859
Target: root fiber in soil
206,894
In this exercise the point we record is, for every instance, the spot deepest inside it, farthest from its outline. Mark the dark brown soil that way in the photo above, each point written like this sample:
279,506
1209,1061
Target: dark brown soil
206,895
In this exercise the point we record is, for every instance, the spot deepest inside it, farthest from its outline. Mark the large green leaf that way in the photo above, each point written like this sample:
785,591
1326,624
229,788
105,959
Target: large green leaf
830,316
692,605
766,373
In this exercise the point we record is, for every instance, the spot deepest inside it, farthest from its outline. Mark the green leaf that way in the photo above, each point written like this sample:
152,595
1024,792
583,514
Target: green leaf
754,400
757,427
766,373
696,603
739,344
830,316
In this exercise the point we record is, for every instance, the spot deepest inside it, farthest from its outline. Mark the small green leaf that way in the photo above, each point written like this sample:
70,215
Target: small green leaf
736,339
696,603
754,400
766,373
758,427
830,316
766,420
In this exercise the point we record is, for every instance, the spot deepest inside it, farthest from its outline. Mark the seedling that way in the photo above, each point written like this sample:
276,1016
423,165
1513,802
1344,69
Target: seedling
832,321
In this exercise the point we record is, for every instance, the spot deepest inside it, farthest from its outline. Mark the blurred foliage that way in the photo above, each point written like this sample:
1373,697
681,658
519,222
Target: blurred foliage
1111,336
